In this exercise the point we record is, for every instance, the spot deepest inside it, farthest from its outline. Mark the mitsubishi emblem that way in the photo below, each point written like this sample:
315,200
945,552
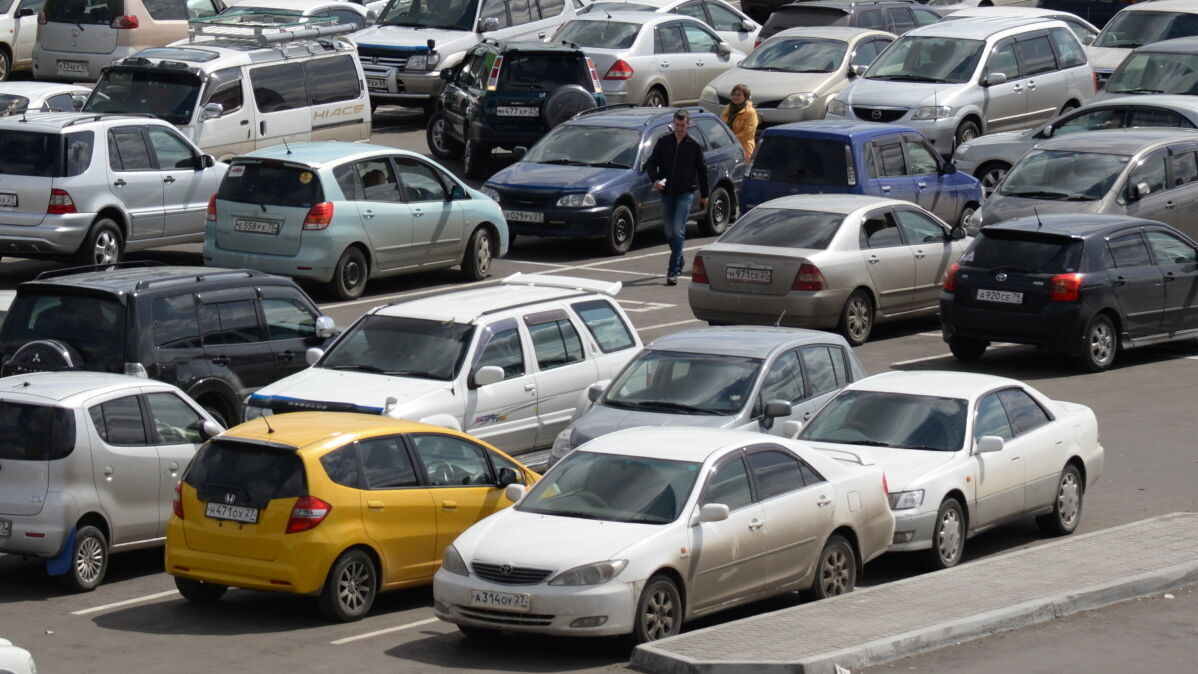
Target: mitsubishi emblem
1000,276
505,569
876,114
37,357
229,498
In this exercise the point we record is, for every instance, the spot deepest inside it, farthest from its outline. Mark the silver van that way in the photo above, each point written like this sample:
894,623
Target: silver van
88,465
957,80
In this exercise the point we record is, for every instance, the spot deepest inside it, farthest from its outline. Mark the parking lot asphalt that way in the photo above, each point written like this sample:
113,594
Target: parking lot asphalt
135,622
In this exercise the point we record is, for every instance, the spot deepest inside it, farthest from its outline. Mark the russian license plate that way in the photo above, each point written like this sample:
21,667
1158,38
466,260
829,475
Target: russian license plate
5,528
508,601
524,216
72,67
376,83
7,199
256,226
224,511
1003,296
749,274
518,111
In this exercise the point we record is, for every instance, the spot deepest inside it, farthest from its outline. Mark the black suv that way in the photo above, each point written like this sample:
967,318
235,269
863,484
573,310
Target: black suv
892,16
218,334
508,94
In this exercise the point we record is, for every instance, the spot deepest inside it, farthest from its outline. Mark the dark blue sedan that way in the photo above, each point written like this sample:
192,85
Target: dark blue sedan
586,177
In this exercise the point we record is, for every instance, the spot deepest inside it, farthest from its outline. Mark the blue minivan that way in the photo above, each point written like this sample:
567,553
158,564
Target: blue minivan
883,160
586,178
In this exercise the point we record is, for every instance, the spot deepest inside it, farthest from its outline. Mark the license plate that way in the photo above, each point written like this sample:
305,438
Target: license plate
518,111
749,274
224,511
508,601
375,83
72,67
5,528
1003,296
256,226
7,199
524,216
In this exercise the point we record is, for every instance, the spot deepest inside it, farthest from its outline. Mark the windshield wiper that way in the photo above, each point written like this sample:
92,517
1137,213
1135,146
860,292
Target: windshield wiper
768,69
1137,91
673,407
926,447
1036,194
570,513
906,78
867,443
359,367
562,162
417,373
609,164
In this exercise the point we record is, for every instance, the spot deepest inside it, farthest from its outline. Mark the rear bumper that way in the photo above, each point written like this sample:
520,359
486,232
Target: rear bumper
309,263
55,235
252,574
802,309
487,135
45,63
1059,325
40,535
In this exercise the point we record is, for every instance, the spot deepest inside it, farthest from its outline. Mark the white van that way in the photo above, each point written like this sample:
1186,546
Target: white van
243,83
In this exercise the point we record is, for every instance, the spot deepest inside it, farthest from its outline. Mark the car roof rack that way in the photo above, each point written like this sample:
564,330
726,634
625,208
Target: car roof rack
107,115
215,275
605,108
265,28
67,271
609,288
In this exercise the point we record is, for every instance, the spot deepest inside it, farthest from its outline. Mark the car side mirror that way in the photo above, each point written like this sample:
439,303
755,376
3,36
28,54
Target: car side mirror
207,161
488,24
456,192
210,429
313,355
371,16
447,74
77,101
948,168
325,327
791,428
777,408
514,492
519,151
1089,39
747,26
956,233
595,391
723,49
212,110
994,79
988,444
1047,132
508,476
23,12
1142,190
713,512
487,375
857,70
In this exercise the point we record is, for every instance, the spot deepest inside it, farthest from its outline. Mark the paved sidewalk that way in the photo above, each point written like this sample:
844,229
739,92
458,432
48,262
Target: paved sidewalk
910,616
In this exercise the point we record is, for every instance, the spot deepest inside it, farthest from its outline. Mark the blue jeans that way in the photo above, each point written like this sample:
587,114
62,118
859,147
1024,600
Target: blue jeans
674,210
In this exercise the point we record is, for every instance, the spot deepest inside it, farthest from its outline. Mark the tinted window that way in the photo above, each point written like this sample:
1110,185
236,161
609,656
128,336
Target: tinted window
1169,249
700,40
1158,117
1041,254
784,380
231,323
420,182
1024,413
687,382
1183,168
93,324
127,149
174,322
1069,50
341,465
450,461
23,153
872,18
897,420
225,88
919,158
717,134
818,363
605,325
386,464
330,80
729,485
401,345
60,103
544,72
1129,251
88,12
1093,120
556,343
255,182
519,12
787,227
802,161
254,475
175,422
35,432
775,473
880,231
288,318
119,422
668,40
171,151
865,53
378,180
890,159
901,18
1036,55
723,18
347,180
1002,60
280,87
917,228
1151,173
991,419
502,348
169,95
551,8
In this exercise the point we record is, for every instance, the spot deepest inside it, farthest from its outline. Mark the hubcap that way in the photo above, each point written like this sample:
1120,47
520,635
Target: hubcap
858,318
106,248
354,586
1069,499
621,228
483,253
949,535
968,134
835,573
89,560
1102,343
351,276
719,212
659,615
991,179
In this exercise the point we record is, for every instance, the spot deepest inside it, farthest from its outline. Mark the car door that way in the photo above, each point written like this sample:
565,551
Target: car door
730,26
887,169
674,63
1000,476
232,336
729,559
1005,107
1139,284
1183,186
125,468
135,179
25,30
176,428
900,19
179,357
398,511
461,481
890,264
281,97
704,48
385,216
798,512
437,220
933,190
1045,83
1178,261
564,369
1043,445
504,413
290,328
1159,202
465,86
185,199
932,251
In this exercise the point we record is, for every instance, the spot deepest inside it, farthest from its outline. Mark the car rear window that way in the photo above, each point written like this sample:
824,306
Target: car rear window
272,183
24,153
599,34
84,11
94,325
1025,252
11,104
802,161
255,474
544,71
793,17
35,432
787,227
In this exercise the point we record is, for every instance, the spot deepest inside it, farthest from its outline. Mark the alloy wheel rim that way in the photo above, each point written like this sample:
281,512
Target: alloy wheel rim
858,319
354,586
991,179
835,574
439,135
3,67
1069,499
105,248
1101,344
656,100
965,215
967,135
89,560
351,276
659,615
483,253
950,536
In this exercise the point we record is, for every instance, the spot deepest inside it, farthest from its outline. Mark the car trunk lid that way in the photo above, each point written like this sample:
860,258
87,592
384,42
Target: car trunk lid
262,205
1013,270
80,27
32,437
757,270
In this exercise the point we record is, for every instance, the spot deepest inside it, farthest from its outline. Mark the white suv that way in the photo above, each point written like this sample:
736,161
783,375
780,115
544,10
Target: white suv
508,363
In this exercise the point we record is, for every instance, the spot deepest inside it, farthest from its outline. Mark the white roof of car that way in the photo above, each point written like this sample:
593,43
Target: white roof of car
60,387
940,383
518,290
979,28
830,32
1186,6
32,90
1010,12
832,203
297,5
681,443
56,121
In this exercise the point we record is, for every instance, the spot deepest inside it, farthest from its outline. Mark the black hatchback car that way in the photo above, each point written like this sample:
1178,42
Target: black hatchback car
218,334
1087,285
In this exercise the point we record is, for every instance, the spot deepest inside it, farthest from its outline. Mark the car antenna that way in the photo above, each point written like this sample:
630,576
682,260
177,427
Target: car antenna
266,421
1037,212
778,323
286,146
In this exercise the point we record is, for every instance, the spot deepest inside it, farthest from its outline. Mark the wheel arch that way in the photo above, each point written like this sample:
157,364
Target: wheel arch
959,496
118,215
220,391
679,582
98,520
366,253
850,535
658,83
975,117
1076,462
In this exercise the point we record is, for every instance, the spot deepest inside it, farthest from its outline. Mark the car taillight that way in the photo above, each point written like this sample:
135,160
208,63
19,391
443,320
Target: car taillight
128,21
808,278
757,43
950,278
1066,288
885,485
308,512
698,271
60,203
177,504
850,165
594,76
620,70
319,216
212,208
41,19
493,77
1095,76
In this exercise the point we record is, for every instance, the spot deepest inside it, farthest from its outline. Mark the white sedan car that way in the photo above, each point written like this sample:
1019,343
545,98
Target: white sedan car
964,453
18,97
643,529
15,660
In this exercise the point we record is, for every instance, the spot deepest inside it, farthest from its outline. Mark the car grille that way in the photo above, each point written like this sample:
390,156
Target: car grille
383,57
527,199
766,105
878,114
510,575
506,617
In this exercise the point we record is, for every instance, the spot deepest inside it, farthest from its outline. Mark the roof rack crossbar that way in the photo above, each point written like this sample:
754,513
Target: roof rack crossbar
609,288
604,108
198,278
67,271
107,115
265,28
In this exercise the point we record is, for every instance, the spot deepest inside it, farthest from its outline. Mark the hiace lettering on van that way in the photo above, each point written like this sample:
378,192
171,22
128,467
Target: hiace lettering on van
342,112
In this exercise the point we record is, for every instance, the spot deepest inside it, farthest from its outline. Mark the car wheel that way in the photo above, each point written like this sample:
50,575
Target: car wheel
350,588
216,412
198,591
476,263
719,213
659,611
857,318
990,175
476,158
967,349
656,98
564,103
621,228
1101,344
89,560
836,572
948,535
965,214
102,245
5,64
440,143
1067,108
1067,507
965,133
349,277
479,633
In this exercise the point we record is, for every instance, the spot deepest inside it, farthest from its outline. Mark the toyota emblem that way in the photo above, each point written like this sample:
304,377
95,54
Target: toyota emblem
1000,276
876,114
229,498
505,569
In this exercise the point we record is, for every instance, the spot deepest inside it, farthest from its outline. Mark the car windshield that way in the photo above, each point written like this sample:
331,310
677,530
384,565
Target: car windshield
30,432
11,104
786,228
168,96
87,12
599,34
1132,29
897,420
672,382
402,347
1028,252
1064,175
928,59
614,488
587,145
802,161
1156,73
446,14
93,325
797,55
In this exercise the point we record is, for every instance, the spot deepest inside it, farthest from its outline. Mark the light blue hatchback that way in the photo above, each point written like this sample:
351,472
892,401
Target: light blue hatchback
342,213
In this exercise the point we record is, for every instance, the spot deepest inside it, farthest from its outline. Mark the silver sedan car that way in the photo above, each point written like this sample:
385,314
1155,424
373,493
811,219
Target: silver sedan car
651,59
732,25
826,261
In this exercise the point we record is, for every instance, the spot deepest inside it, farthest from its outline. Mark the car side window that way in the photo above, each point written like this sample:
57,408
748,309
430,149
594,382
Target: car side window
901,19
1183,168
174,322
495,9
1129,251
1169,249
917,228
172,152
502,348
347,180
551,8
691,9
1036,55
127,150
378,180
1069,49
1091,120
279,87
668,40
346,17
924,17
79,152
233,322
333,79
819,365
520,12
227,93
341,465
872,18
420,182
1025,413
605,325
700,40
920,161
554,340
386,463
723,18
775,473
1150,172
60,103
288,318
119,422
1158,117
865,53
729,485
991,419
450,461
1002,60
880,231
716,133
890,158
784,380
175,422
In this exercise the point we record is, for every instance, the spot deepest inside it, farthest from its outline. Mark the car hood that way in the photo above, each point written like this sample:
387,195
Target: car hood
769,86
887,93
1106,58
366,391
601,420
998,208
903,467
530,175
448,41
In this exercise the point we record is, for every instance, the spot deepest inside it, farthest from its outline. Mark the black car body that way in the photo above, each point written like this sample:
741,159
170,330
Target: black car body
892,16
217,334
1087,285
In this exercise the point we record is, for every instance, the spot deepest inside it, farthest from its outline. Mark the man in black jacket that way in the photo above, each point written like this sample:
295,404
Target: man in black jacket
674,166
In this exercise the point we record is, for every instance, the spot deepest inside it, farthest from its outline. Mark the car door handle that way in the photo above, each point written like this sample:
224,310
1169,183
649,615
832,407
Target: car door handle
664,64
168,180
1016,88
919,255
416,213
541,35
872,259
1120,281
698,62
108,471
530,387
173,466
1170,277
922,186
823,501
286,355
449,505
220,360
368,214
1014,458
886,188
245,122
120,182
755,524
374,505
262,127
1170,204
1031,84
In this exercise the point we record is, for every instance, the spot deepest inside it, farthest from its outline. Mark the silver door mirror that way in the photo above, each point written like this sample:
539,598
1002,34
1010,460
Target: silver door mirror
791,428
1142,190
77,101
1089,39
210,429
723,49
212,110
713,512
325,327
488,24
313,355
595,391
371,16
487,375
514,492
994,79
857,70
990,443
747,26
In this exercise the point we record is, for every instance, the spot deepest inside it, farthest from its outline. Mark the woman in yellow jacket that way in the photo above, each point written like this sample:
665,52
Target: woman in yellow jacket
742,118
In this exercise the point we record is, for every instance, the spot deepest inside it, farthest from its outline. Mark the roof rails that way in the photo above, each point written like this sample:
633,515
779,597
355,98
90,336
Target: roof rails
107,115
265,28
216,274
605,108
609,288
67,271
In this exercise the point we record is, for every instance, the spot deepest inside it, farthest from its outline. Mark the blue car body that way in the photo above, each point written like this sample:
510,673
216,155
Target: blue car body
883,160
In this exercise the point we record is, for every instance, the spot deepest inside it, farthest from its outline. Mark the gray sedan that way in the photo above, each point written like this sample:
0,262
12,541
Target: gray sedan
826,261
743,378
989,157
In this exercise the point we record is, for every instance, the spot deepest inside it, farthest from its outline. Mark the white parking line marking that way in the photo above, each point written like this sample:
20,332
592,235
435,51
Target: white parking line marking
118,604
667,325
643,307
921,360
388,630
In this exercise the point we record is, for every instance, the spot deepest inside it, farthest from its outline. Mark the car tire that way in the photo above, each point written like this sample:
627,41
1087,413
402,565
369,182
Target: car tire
990,175
478,633
836,572
1101,343
564,103
440,143
5,64
656,98
349,277
350,588
198,591
89,560
948,535
1066,506
621,229
967,131
658,611
857,318
102,245
966,212
967,349
476,262
217,412
476,159
719,213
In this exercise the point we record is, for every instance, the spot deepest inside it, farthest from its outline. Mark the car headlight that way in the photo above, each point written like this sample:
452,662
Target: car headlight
933,112
562,444
489,193
421,62
902,500
453,562
590,574
797,101
577,200
709,94
837,107
253,412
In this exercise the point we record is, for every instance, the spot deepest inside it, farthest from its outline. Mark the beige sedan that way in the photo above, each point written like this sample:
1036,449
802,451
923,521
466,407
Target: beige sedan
826,261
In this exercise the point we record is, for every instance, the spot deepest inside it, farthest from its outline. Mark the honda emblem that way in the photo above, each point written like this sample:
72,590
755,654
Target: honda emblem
229,498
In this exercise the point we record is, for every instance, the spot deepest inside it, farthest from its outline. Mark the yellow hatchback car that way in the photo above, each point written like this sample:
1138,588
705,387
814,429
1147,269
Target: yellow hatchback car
339,506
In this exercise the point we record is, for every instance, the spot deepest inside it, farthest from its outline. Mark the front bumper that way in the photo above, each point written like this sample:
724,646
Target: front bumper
1058,325
402,87
582,223
913,531
56,235
803,309
45,63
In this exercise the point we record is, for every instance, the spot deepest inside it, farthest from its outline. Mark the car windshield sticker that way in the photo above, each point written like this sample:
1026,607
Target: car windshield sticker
305,177
236,171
